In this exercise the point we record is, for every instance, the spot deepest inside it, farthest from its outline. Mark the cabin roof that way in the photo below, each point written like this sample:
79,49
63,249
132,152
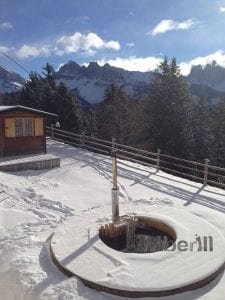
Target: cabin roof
26,109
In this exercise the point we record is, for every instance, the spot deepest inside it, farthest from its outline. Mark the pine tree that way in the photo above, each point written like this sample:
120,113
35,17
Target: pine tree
136,125
202,130
1,100
42,93
168,111
89,122
68,108
31,92
48,72
113,115
218,131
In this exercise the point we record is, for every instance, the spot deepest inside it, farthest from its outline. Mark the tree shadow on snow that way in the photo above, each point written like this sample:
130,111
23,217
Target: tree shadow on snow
54,276
147,177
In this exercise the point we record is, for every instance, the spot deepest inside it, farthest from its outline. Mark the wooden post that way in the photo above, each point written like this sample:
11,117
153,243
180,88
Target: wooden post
82,140
44,135
52,131
114,171
158,159
113,143
115,190
206,168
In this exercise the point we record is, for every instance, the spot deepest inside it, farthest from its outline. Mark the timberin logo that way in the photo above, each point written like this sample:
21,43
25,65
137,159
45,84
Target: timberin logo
200,244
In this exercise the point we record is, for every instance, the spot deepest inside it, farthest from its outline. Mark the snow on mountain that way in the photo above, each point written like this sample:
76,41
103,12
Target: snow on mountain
10,81
91,81
211,75
33,204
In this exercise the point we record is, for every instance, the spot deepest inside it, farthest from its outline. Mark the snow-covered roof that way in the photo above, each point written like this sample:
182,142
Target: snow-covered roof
25,108
3,108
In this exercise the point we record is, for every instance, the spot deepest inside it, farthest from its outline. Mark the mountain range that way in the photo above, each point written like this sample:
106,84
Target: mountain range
91,81
10,81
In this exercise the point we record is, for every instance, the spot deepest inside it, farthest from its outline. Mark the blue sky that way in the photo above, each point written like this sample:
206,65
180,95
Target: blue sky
132,34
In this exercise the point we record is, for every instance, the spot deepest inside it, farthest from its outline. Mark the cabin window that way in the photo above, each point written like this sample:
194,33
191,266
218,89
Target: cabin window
19,127
28,127
24,127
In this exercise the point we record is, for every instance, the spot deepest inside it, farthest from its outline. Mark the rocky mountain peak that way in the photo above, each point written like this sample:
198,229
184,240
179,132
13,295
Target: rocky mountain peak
93,65
70,68
106,66
214,63
211,75
92,80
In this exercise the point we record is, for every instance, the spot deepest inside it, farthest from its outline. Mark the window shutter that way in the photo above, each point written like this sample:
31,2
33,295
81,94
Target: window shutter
39,128
10,127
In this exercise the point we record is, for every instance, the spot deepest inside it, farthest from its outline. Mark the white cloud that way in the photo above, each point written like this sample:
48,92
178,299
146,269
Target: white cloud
186,24
114,45
222,9
218,56
78,19
6,25
86,43
133,63
168,25
82,19
4,49
32,51
130,45
144,64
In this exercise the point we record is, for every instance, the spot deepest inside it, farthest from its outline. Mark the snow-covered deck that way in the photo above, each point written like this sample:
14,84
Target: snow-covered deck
35,204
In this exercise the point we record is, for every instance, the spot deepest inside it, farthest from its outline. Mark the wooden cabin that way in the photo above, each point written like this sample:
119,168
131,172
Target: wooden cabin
22,130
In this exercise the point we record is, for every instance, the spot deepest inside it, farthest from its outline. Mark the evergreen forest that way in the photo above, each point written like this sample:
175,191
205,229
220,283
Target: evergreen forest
168,118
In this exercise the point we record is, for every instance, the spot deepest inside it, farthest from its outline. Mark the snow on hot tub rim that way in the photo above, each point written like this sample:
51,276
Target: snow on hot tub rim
205,264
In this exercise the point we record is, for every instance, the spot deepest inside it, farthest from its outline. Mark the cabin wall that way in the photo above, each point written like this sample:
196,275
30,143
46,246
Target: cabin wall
12,145
24,145
1,136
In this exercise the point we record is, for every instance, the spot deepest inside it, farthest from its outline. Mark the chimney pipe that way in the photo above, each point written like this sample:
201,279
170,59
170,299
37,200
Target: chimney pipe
115,190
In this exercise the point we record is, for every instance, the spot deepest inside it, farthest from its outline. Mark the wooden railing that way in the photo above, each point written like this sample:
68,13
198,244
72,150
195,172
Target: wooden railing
200,172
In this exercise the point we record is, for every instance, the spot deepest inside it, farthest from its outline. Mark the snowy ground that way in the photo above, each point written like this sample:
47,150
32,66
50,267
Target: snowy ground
34,203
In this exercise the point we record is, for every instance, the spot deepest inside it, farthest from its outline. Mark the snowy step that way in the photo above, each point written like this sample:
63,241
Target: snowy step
33,162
